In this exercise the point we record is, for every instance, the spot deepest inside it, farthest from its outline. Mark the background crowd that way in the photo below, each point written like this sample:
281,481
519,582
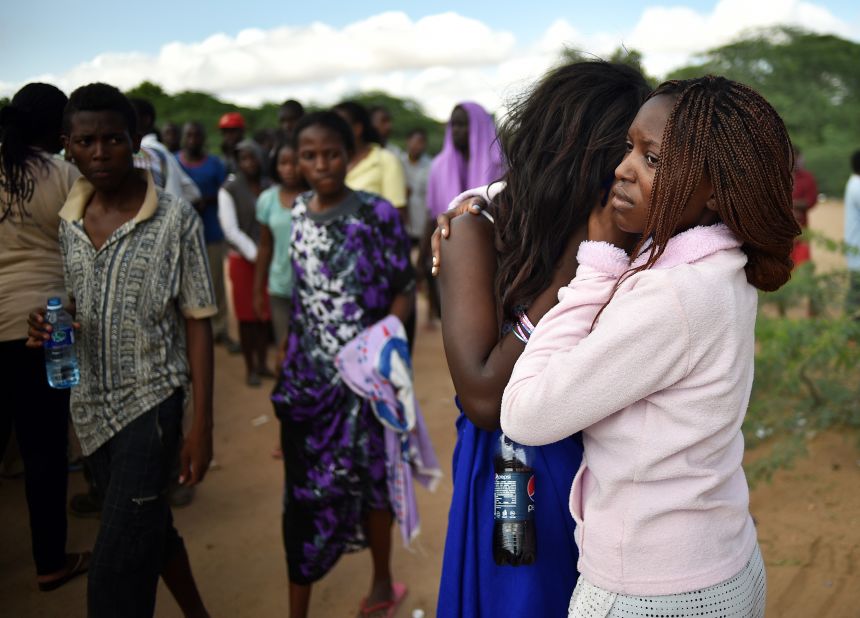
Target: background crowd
249,198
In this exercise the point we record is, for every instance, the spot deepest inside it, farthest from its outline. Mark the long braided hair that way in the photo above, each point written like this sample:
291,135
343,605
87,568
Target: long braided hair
31,122
729,132
561,143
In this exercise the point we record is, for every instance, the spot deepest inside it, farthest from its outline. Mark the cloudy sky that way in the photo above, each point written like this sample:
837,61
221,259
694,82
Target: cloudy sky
436,52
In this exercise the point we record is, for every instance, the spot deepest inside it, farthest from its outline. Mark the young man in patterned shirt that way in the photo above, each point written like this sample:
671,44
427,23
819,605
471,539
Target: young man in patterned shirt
136,271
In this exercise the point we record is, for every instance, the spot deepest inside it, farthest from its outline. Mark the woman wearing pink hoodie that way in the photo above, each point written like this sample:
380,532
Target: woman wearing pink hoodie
650,355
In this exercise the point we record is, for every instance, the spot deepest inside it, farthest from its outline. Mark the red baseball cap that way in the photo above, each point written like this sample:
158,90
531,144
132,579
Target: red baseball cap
231,120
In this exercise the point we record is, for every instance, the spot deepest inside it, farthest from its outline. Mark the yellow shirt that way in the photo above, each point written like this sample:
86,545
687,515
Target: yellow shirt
379,172
31,269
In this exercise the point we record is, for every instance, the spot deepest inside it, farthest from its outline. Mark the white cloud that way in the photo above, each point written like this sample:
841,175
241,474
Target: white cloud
669,36
437,60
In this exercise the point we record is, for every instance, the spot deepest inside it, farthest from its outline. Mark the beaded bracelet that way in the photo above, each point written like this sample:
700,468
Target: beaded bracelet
519,335
523,327
523,319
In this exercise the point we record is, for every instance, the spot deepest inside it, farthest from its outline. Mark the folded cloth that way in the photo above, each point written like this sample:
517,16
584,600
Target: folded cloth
377,366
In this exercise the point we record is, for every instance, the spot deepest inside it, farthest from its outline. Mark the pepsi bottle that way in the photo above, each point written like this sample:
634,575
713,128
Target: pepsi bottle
61,362
514,539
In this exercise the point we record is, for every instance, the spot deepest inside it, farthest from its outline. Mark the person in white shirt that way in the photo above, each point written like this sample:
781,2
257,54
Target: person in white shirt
176,181
237,214
416,166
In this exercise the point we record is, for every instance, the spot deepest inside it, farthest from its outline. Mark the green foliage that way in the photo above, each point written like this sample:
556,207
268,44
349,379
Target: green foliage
4,101
633,58
807,372
621,55
202,107
406,115
813,82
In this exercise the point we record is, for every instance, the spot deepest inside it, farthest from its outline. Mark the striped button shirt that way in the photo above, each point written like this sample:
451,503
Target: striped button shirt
132,296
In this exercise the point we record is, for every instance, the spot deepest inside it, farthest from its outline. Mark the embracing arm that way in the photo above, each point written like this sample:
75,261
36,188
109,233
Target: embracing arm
480,363
569,378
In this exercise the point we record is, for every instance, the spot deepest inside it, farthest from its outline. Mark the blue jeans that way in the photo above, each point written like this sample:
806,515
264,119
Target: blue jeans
137,536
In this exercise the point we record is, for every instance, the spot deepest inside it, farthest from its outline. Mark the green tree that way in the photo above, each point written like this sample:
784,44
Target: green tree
207,109
633,58
813,82
406,115
622,55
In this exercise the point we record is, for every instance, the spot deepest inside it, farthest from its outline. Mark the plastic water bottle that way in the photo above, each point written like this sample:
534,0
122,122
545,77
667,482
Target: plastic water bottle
514,538
61,362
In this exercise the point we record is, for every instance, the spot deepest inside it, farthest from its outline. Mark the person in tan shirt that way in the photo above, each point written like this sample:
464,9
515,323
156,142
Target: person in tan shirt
33,187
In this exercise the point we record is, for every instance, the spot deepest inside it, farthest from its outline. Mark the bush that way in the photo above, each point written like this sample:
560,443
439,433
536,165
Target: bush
807,367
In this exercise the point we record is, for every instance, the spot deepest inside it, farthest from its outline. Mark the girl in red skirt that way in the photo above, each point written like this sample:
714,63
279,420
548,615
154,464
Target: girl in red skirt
237,201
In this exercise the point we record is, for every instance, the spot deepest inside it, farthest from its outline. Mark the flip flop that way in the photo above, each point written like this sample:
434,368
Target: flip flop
398,593
81,565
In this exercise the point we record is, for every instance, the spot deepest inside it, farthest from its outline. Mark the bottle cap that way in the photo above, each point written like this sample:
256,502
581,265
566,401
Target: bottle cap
55,302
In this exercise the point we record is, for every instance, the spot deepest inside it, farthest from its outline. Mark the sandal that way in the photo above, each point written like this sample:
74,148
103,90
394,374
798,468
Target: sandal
77,564
398,593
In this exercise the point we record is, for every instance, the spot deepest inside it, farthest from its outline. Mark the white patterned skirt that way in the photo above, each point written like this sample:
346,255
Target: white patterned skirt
741,596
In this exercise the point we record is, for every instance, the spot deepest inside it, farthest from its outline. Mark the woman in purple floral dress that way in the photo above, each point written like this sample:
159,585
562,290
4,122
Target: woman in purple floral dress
351,263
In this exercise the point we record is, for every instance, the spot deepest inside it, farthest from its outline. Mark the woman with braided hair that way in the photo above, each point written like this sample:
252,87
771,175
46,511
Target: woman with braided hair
650,355
34,184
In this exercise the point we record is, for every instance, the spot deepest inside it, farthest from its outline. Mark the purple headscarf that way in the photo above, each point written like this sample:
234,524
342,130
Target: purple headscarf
450,174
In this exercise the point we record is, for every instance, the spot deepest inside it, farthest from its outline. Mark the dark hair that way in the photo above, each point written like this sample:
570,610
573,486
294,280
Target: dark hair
143,109
330,120
293,106
358,113
379,108
273,162
261,136
273,158
100,97
728,132
561,143
30,122
417,131
855,162
196,124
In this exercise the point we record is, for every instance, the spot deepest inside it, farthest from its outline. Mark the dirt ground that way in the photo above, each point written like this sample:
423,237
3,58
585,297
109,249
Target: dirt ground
808,517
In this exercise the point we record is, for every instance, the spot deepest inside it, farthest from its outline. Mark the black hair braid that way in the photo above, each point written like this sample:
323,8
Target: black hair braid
30,122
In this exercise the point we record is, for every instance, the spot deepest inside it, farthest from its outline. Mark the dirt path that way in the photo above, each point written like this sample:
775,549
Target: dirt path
808,518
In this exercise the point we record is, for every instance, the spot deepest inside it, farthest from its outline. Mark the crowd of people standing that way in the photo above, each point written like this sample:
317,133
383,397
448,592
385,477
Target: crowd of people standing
138,235
601,307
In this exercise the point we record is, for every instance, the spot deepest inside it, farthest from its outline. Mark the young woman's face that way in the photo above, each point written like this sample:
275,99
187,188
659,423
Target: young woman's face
634,176
287,166
249,164
323,159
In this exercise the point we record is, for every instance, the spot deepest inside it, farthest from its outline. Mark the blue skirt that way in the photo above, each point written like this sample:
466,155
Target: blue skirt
472,585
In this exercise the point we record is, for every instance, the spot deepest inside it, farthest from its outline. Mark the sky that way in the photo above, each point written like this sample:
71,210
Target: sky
436,52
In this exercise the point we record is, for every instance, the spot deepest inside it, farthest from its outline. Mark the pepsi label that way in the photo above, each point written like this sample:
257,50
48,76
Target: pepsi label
514,496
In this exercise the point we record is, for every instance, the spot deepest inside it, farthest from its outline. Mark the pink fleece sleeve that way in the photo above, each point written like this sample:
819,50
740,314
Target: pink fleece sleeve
569,378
